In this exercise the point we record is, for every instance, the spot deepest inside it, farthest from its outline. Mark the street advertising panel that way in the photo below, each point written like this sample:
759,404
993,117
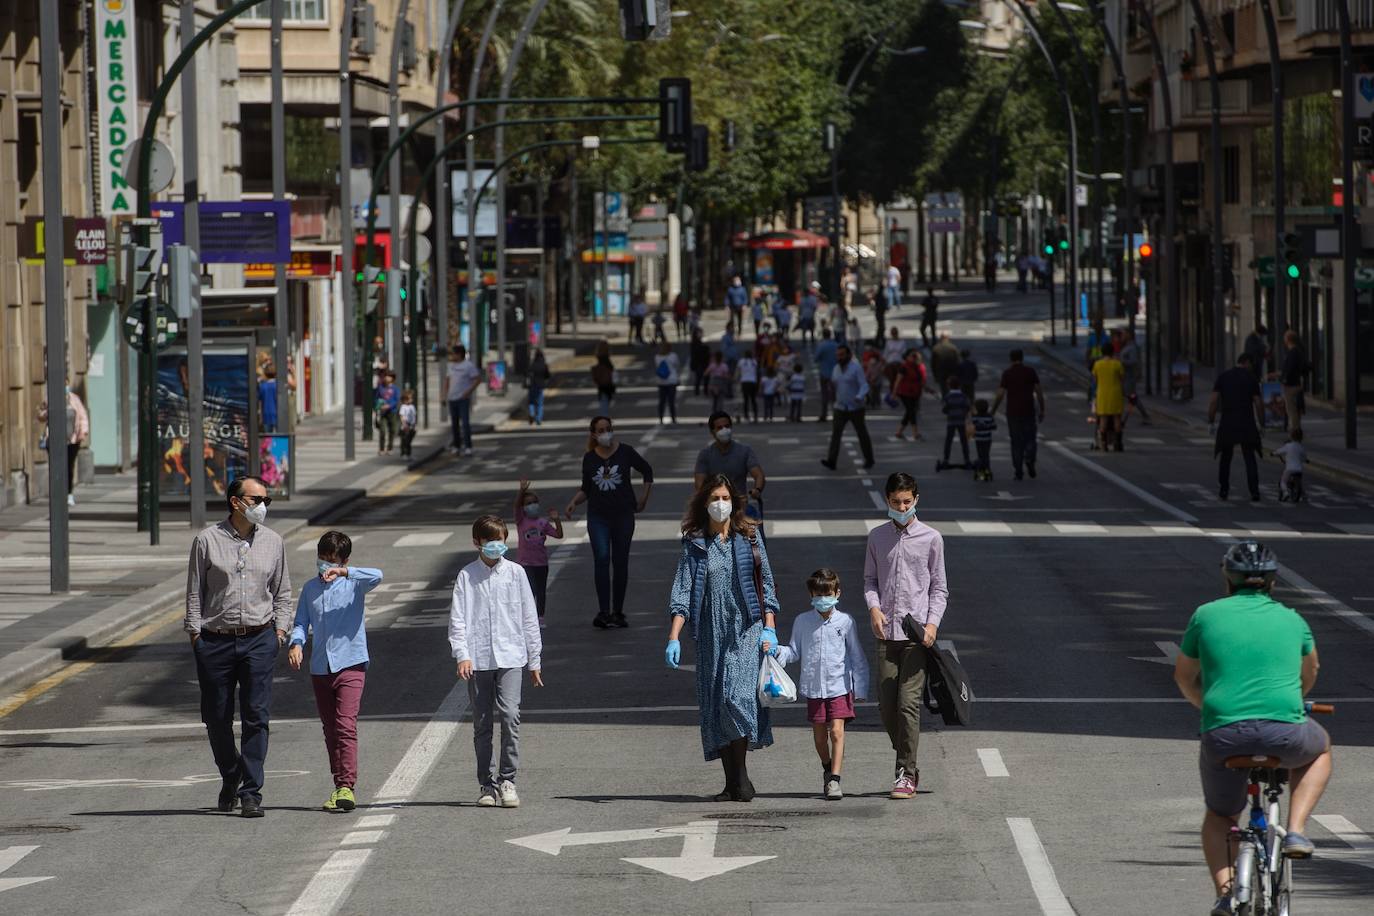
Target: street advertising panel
486,206
227,411
1181,380
274,464
1275,413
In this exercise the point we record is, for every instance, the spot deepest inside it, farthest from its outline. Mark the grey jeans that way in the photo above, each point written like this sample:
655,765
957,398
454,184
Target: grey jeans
496,691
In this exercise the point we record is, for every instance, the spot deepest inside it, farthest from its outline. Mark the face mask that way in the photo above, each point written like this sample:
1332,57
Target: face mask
825,603
532,510
255,514
324,565
605,439
723,434
494,550
720,510
902,518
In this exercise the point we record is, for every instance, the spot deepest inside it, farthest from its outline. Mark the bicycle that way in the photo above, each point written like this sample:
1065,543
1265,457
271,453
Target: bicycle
1262,882
1293,492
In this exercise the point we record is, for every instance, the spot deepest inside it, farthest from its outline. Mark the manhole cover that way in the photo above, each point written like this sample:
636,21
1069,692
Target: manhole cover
23,829
764,816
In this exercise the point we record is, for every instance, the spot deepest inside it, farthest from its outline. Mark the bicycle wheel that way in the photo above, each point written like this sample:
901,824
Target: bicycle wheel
1283,892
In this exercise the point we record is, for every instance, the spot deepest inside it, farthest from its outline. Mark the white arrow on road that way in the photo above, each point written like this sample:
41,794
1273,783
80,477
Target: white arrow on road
1169,649
697,861
9,857
1006,496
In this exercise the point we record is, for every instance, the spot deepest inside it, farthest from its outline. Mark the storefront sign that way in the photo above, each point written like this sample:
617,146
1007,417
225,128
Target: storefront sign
304,265
83,240
117,101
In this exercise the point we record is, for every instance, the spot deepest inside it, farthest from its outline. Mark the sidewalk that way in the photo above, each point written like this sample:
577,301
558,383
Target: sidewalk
1323,426
119,581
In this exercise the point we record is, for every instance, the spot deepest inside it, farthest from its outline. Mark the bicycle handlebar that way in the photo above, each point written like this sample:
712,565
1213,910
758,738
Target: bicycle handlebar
1322,709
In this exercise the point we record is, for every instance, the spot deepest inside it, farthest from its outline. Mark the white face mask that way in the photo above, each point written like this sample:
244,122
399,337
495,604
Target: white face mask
720,509
723,434
256,514
605,439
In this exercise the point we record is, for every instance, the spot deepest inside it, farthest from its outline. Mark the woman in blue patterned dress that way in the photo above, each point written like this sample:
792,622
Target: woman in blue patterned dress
725,587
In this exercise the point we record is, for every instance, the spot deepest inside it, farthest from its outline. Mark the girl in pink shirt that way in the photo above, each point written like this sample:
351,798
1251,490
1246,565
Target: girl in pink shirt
532,529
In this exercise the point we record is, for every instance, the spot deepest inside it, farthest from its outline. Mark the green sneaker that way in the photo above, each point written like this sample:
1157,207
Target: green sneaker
332,805
343,799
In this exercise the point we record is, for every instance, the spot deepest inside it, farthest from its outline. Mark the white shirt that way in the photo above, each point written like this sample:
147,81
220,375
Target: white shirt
894,276
461,377
770,385
674,367
1293,455
832,661
894,350
748,369
492,621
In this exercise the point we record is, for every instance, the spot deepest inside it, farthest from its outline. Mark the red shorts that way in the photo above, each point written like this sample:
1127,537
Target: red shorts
822,711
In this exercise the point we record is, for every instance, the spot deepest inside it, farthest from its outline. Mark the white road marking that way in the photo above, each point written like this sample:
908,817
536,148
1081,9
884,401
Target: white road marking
374,821
878,500
331,883
1078,527
697,861
985,527
796,528
1361,850
1170,652
1038,868
10,857
991,759
362,837
1354,529
424,539
1125,484
1178,531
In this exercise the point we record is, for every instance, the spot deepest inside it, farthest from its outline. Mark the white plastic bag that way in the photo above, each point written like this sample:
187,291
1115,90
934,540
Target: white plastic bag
775,687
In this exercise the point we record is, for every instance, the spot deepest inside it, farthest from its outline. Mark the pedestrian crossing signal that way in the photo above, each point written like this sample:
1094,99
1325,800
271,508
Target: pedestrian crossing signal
1049,249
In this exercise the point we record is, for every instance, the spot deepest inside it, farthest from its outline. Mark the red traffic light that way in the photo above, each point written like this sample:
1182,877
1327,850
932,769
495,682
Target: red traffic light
1146,250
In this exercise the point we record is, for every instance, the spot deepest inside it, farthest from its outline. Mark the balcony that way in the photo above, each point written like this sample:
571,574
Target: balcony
1195,100
1316,17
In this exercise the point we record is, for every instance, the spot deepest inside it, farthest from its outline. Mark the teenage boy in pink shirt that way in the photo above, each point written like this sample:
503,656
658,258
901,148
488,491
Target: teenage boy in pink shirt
904,576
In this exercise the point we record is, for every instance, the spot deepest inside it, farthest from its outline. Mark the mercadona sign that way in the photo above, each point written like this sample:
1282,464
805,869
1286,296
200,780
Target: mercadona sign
116,92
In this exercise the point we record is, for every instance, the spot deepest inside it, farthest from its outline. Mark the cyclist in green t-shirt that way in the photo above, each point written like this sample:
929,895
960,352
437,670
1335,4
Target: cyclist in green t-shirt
1247,661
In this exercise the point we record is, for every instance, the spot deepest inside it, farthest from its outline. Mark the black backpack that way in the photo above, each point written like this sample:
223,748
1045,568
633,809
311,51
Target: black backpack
946,683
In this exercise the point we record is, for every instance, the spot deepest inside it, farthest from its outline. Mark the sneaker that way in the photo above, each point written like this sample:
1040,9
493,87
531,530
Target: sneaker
828,464
1030,469
71,500
904,786
601,621
467,452
343,799
509,797
489,798
1297,846
1223,907
618,620
832,789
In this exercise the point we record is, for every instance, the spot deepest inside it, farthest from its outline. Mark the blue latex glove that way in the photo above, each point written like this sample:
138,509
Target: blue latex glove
673,654
769,635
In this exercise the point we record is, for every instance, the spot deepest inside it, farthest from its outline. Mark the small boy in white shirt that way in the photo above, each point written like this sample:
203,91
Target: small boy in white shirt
493,630
409,422
1294,456
834,671
796,393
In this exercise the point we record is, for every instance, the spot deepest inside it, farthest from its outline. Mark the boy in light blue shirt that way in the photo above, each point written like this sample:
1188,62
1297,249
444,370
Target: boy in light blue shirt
331,605
834,671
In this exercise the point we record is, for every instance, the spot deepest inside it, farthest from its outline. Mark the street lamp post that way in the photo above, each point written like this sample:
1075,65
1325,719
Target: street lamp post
347,287
1128,202
1350,237
1215,179
1280,300
443,207
474,83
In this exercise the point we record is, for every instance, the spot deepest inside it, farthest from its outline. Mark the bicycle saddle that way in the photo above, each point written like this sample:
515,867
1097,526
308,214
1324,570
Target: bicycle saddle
1248,762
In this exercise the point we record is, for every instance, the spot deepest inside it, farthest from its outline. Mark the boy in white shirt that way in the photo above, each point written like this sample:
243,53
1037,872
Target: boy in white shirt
493,630
834,671
1294,456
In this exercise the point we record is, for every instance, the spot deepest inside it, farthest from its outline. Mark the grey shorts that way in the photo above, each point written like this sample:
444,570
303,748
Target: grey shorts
1296,744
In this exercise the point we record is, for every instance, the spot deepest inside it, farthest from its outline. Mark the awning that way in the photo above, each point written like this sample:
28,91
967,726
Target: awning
789,240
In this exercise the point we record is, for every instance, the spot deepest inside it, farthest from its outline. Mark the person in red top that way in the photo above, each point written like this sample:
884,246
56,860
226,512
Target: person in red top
680,310
908,385
1020,386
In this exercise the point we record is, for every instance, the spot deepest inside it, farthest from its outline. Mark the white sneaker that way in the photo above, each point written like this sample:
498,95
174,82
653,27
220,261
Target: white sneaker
467,453
489,798
71,500
509,798
832,790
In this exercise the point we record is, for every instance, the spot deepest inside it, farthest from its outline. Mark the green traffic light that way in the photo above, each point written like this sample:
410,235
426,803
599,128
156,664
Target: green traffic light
403,294
1049,249
360,277
1063,244
1294,272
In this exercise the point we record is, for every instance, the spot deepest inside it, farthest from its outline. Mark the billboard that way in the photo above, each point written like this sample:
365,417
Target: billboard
486,207
227,411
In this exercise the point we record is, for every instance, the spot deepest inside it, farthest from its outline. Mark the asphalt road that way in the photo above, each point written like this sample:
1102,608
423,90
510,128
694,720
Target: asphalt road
1075,791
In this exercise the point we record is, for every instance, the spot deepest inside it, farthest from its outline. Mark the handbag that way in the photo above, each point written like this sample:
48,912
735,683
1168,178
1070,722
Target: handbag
775,687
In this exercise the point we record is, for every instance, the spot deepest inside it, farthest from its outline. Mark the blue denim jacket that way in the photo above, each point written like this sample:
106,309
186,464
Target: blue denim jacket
689,585
335,613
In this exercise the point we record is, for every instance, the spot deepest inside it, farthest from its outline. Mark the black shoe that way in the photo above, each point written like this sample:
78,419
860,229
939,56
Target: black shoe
1223,493
228,796
745,792
1254,497
1030,469
618,620
251,807
1018,476
601,621
868,464
828,464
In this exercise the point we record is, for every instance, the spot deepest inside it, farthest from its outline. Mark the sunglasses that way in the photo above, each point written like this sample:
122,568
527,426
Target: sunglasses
254,500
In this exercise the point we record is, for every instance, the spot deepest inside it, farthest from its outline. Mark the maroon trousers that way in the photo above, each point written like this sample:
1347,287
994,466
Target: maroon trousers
337,697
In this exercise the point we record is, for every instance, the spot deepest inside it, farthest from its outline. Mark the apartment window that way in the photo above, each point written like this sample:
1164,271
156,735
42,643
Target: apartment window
291,11
1230,172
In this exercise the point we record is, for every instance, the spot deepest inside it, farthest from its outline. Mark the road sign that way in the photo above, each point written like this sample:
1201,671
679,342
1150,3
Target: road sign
648,247
697,861
652,212
234,232
160,173
649,229
168,327
945,212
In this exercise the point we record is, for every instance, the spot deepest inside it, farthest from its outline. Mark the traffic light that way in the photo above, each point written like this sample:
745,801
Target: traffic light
146,264
699,155
402,291
1145,251
1291,257
675,113
374,284
1049,248
1063,239
183,272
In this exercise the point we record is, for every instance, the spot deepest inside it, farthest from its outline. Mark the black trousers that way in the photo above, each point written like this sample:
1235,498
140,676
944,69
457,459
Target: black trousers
242,665
1023,441
539,585
950,433
1247,452
843,418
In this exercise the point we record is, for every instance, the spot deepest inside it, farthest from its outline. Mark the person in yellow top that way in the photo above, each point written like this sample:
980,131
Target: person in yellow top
1111,398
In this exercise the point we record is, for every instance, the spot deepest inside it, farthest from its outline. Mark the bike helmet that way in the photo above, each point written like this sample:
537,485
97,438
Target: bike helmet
1248,561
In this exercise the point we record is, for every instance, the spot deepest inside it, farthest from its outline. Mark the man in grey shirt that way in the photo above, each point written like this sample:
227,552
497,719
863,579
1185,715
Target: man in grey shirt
238,611
735,460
